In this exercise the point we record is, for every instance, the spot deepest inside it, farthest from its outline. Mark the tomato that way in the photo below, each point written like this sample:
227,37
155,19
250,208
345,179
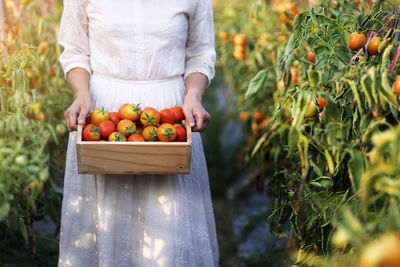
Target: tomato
43,46
166,132
374,45
326,89
98,116
150,116
91,133
129,112
311,57
240,39
264,123
178,125
21,160
116,137
126,127
254,128
239,49
52,72
223,35
311,111
243,116
356,41
397,86
135,138
280,85
150,133
36,184
106,128
180,134
40,116
61,129
239,56
178,112
257,116
114,117
322,103
382,252
167,116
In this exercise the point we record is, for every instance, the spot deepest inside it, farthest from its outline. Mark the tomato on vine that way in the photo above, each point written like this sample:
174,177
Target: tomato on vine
356,41
311,57
373,46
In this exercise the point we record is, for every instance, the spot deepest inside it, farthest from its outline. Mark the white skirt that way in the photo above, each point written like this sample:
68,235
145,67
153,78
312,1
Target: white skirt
137,220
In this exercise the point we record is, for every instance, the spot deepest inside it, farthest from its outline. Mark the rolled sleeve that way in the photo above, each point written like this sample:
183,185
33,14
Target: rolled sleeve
200,48
73,36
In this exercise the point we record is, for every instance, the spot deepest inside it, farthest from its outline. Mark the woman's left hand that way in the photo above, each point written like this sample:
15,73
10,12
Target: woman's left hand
195,113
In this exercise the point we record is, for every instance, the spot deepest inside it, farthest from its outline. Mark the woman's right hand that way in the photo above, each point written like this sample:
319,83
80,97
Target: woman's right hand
77,112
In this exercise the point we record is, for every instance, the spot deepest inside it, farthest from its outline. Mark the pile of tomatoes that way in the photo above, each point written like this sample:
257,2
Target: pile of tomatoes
133,124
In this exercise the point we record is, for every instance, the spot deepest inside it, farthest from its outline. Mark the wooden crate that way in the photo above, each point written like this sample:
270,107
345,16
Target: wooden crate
133,157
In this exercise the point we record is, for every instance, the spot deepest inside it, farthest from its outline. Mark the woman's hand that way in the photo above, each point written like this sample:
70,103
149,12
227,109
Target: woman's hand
77,112
78,78
195,113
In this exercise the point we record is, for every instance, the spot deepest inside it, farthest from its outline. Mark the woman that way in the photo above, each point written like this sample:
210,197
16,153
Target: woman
157,53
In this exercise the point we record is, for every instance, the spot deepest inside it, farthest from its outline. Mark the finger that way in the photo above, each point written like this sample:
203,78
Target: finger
189,116
199,122
72,119
66,117
82,115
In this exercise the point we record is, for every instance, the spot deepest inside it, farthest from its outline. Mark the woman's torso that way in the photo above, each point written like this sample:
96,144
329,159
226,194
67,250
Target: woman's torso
138,40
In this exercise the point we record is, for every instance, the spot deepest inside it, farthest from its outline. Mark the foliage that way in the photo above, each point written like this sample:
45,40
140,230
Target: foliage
33,97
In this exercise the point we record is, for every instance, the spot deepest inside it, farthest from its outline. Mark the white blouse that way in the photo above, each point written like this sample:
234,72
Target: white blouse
138,40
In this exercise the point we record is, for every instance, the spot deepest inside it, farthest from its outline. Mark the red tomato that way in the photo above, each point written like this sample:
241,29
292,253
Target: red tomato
322,103
129,112
180,134
150,116
326,89
166,132
126,127
114,117
257,116
91,133
356,41
167,116
98,116
150,133
106,128
178,112
116,137
397,86
135,138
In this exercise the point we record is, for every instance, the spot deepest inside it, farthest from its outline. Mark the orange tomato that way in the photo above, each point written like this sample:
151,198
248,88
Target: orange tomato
150,116
243,116
116,137
98,116
356,41
240,39
311,57
126,127
223,35
149,133
373,46
239,56
258,117
129,112
166,132
280,85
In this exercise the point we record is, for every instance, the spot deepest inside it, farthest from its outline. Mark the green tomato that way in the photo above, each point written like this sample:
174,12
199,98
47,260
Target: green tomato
21,160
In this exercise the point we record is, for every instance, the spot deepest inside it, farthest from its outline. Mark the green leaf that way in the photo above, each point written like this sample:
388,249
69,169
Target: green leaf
356,168
257,83
4,209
